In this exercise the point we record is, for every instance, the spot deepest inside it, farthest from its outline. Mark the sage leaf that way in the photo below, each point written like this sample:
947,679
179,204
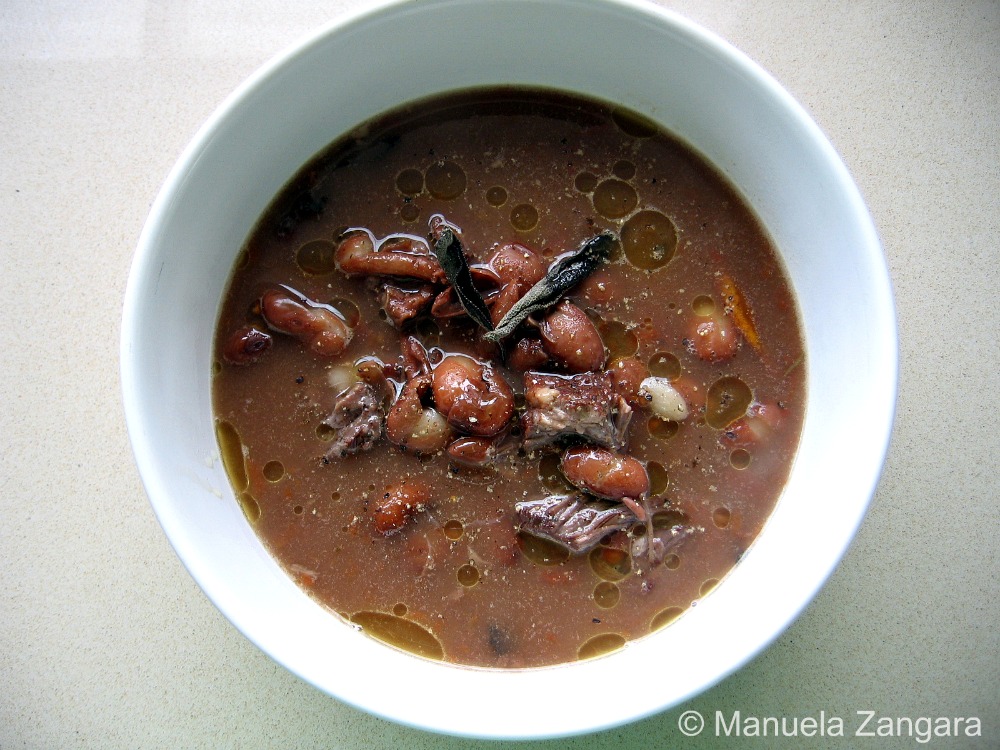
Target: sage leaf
451,256
566,272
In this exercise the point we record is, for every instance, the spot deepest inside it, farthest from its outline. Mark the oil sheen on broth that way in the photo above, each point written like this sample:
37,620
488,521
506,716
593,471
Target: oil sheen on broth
537,502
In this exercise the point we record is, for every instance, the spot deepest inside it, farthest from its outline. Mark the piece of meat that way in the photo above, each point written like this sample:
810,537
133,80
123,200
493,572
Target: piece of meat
571,521
403,303
415,358
656,543
585,405
357,420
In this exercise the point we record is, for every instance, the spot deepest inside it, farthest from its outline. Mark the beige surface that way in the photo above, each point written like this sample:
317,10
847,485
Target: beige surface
105,641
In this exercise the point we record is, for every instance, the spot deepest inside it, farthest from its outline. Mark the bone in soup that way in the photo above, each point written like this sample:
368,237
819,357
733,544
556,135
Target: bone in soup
508,378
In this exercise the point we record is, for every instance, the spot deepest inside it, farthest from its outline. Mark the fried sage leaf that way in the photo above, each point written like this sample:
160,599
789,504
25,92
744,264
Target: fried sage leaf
567,271
450,255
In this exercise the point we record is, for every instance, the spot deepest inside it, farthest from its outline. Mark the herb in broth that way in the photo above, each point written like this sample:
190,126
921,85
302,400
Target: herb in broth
565,273
475,445
451,256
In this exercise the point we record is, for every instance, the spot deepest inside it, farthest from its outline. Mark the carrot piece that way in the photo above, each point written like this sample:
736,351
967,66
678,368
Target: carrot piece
307,579
737,306
612,556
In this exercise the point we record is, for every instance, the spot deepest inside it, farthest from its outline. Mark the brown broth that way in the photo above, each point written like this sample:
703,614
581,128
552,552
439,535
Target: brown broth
546,170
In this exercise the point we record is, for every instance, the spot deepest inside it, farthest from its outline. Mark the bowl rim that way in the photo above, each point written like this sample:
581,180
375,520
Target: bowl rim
142,274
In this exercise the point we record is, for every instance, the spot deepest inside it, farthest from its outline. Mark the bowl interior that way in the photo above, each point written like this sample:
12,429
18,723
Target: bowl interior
629,53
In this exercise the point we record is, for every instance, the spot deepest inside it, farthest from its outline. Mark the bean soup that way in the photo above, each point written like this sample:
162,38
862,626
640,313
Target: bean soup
508,377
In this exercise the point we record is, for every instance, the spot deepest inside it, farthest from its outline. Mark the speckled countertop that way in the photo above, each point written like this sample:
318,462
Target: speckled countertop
105,641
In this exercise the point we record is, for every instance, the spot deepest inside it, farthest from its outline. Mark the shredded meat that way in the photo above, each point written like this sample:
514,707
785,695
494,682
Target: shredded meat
656,543
357,420
572,521
415,359
585,405
403,303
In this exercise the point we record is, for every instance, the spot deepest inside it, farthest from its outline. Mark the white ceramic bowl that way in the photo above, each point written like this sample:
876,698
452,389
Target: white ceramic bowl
627,52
